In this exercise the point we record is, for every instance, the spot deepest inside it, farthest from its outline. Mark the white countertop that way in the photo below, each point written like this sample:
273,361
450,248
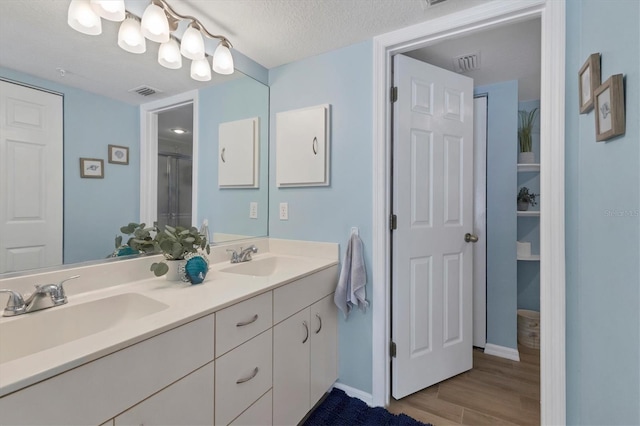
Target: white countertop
185,302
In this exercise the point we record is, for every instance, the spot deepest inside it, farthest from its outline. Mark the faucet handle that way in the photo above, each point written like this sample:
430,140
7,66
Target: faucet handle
234,255
15,304
61,296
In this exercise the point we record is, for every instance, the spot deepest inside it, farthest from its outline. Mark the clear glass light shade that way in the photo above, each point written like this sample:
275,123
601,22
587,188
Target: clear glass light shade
200,70
113,10
155,25
130,37
222,59
169,55
192,44
82,18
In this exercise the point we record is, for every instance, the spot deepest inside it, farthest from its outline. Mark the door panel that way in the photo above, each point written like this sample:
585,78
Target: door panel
30,178
433,201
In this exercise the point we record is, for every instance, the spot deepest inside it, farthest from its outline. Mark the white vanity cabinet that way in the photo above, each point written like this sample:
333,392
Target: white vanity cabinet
304,346
187,402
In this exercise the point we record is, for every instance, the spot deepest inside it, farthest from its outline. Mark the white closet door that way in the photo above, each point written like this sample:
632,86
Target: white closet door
30,178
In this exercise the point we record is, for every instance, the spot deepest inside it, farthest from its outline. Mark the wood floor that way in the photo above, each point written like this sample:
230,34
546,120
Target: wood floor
496,391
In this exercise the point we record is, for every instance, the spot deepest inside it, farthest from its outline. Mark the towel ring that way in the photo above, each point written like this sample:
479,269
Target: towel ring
222,155
314,146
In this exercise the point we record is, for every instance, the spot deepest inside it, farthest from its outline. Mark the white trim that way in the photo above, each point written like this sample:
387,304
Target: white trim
502,352
355,393
149,154
552,297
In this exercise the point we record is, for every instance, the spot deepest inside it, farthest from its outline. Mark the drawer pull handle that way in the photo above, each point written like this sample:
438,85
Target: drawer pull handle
251,376
252,320
319,320
306,327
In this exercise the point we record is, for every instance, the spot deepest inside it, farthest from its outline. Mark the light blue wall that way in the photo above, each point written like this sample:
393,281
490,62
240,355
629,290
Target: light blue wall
94,209
502,128
344,79
529,227
228,209
603,224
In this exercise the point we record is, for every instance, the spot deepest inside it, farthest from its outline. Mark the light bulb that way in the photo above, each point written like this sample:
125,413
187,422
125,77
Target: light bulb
113,10
155,25
82,18
192,45
169,55
200,70
130,37
222,59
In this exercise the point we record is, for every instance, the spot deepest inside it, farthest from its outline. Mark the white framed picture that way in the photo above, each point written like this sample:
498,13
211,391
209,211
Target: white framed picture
609,106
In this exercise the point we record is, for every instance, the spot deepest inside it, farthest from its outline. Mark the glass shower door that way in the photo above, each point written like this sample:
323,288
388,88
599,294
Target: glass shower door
174,190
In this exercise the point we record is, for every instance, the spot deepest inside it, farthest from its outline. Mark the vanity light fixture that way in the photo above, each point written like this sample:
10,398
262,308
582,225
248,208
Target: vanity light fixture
157,24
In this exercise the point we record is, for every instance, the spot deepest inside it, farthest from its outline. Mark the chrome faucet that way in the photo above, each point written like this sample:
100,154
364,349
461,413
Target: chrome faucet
244,255
45,296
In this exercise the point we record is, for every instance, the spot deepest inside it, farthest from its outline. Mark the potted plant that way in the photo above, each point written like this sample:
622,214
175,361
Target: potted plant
526,119
525,198
139,242
180,244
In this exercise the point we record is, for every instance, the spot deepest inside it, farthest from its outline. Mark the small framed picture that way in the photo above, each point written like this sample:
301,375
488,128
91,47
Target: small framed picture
609,105
91,168
588,81
118,154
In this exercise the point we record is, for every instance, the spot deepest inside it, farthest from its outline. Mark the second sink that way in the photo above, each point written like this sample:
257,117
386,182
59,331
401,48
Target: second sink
263,267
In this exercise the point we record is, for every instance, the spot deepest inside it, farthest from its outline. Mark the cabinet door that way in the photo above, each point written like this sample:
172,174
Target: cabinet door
189,401
291,341
324,347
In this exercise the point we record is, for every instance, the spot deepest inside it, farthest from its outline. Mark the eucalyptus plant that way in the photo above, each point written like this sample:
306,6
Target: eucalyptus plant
526,120
176,243
140,240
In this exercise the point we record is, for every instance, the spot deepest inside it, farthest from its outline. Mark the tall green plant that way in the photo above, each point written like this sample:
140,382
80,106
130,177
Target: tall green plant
525,128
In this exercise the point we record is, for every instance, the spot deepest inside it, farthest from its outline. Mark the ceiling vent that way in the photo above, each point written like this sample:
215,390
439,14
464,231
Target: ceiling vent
145,91
466,63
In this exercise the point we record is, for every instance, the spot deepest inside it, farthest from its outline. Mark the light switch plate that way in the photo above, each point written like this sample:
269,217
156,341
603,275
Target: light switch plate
284,211
253,210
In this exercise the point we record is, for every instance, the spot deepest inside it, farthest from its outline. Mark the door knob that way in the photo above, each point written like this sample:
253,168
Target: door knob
470,238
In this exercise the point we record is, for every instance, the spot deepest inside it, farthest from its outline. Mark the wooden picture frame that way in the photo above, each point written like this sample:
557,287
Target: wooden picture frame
118,154
91,168
588,81
609,106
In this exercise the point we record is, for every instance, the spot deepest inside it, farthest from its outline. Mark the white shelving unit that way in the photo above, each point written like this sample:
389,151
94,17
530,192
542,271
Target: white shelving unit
530,213
532,258
534,167
529,168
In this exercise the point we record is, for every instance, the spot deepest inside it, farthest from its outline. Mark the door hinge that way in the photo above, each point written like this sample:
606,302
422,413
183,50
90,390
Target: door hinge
394,94
393,222
392,349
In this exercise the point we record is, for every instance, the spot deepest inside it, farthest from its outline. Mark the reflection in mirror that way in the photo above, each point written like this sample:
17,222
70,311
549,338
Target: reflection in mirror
96,114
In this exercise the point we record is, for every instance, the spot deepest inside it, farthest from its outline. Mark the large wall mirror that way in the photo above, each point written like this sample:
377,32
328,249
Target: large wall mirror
94,77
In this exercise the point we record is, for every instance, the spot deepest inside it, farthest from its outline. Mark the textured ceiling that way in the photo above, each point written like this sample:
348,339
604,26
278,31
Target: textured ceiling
35,38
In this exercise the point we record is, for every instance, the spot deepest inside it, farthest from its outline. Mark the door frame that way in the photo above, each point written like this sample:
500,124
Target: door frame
149,154
552,229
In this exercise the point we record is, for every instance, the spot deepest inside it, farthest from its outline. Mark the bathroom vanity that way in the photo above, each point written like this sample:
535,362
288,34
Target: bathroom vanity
256,343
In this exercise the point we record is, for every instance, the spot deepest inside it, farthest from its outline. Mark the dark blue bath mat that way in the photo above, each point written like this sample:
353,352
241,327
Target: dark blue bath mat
339,409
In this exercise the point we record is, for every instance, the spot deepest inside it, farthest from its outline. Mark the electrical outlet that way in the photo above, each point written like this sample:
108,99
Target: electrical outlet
284,211
253,210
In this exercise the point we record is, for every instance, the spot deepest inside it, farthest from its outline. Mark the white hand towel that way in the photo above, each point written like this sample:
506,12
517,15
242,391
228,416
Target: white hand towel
351,289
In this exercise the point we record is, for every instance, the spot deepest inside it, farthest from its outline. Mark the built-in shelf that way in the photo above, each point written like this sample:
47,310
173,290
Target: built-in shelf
534,167
530,213
533,257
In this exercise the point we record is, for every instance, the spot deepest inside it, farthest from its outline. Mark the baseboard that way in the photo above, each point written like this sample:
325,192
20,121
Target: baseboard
355,393
501,351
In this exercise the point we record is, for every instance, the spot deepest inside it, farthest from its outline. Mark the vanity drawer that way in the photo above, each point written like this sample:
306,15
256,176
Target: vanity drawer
259,414
240,322
242,376
291,298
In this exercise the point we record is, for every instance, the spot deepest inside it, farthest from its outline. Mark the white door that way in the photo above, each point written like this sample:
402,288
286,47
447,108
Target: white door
30,178
433,202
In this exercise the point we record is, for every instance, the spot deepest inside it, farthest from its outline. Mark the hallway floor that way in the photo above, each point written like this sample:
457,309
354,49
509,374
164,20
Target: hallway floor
496,391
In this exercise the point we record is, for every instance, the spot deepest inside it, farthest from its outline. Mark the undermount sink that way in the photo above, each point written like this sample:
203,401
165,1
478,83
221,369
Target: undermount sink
38,331
263,267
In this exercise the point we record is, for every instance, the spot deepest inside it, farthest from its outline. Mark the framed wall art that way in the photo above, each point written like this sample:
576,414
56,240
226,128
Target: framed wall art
118,154
609,105
588,81
91,168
